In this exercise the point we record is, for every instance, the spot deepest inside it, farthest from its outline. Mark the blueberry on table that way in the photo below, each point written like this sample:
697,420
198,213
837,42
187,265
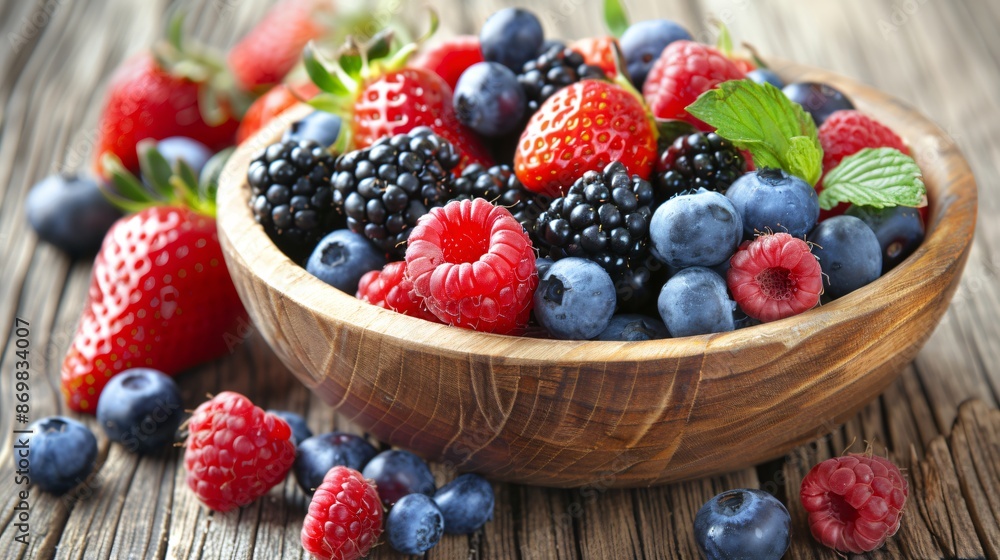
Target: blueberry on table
489,99
899,230
316,455
398,473
320,127
819,100
300,430
644,41
744,523
575,299
695,301
141,408
190,151
511,36
414,525
698,229
62,453
466,504
70,212
766,76
772,200
342,258
632,327
848,252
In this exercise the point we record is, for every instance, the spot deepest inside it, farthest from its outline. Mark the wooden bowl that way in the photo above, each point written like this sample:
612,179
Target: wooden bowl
568,414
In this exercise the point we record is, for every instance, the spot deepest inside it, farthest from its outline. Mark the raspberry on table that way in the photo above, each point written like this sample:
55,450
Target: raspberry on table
474,265
235,451
854,502
775,276
344,519
390,288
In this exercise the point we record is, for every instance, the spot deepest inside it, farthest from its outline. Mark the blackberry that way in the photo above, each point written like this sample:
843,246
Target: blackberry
385,188
291,195
554,69
500,186
696,161
603,217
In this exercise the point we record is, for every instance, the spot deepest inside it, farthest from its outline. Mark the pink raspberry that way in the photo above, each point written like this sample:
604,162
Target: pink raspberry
345,517
474,266
684,71
775,276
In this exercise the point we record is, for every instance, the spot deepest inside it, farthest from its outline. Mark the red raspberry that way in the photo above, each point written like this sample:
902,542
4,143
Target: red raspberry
855,502
450,57
599,52
847,132
389,288
775,276
345,517
474,265
235,452
684,71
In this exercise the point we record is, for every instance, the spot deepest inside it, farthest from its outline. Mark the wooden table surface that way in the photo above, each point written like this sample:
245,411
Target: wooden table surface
939,420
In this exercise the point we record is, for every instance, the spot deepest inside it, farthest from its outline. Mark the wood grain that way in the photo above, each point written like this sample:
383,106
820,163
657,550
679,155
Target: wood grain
939,58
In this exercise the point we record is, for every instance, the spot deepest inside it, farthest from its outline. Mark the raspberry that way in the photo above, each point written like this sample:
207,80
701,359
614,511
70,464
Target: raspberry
389,288
474,265
775,276
855,502
235,452
345,517
847,132
684,71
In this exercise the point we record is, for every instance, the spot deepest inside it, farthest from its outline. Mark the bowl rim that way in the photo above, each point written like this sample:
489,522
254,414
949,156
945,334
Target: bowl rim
949,235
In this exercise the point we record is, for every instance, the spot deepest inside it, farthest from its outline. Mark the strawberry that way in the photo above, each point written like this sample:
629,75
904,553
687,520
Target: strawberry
598,51
266,54
584,127
160,294
684,71
270,105
450,57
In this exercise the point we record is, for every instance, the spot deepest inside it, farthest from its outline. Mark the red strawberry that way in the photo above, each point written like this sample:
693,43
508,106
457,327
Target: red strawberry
270,105
146,100
160,297
274,46
404,99
584,127
598,51
450,57
684,71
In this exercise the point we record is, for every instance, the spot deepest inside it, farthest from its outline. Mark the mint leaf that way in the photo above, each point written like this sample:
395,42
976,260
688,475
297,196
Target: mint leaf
880,178
615,17
759,118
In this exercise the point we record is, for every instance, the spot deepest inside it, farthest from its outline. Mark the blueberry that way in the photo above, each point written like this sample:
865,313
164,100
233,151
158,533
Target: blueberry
542,264
489,99
398,473
414,525
511,36
300,430
319,126
765,76
633,327
643,42
819,100
316,455
697,229
61,452
192,152
342,258
695,301
742,524
141,409
899,230
466,504
772,200
575,299
549,44
70,212
848,252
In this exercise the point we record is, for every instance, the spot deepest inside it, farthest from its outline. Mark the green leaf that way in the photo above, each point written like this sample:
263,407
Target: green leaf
175,31
725,41
155,168
759,118
330,103
615,17
880,178
320,76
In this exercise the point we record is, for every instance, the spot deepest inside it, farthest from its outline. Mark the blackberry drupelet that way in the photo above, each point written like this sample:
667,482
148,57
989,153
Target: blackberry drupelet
603,217
291,195
500,186
385,188
554,69
699,160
